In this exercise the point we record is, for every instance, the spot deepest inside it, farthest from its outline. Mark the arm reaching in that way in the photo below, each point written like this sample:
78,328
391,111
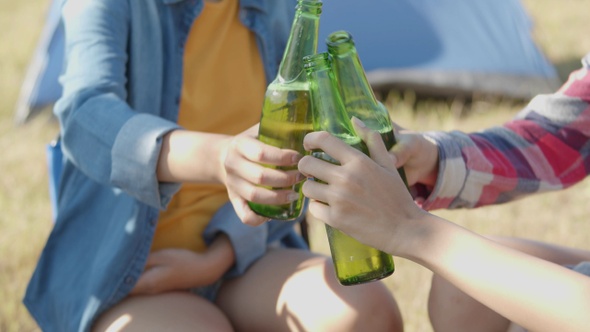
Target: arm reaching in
541,149
533,293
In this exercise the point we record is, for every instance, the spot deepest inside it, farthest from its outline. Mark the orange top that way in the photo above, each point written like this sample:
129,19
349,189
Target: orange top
222,92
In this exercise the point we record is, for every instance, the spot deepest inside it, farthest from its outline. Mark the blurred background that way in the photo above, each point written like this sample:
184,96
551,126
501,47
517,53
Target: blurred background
559,30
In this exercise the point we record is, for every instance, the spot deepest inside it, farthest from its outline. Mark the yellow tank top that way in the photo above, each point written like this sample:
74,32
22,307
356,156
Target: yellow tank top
223,90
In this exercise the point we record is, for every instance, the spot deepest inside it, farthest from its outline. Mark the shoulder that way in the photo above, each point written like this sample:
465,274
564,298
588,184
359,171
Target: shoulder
77,8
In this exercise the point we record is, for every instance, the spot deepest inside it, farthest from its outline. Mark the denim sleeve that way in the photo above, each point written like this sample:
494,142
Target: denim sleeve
249,243
101,134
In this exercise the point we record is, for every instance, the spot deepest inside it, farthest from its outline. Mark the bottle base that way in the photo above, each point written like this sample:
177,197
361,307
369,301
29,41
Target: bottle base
364,278
278,212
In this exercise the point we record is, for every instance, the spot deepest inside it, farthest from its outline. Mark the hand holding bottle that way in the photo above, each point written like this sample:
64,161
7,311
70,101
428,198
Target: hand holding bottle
247,179
235,161
354,262
360,188
286,114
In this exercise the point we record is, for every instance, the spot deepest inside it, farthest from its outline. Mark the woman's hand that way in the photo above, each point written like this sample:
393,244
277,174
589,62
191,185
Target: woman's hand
364,198
181,269
244,174
236,162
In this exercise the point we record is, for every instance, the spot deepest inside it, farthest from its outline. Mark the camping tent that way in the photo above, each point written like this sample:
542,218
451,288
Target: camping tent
40,87
444,47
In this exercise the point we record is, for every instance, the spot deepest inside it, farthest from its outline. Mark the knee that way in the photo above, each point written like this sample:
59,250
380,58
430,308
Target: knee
450,309
444,297
375,309
439,294
441,291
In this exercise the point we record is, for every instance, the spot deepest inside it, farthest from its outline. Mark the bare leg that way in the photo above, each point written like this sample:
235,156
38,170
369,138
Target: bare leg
295,290
174,311
450,309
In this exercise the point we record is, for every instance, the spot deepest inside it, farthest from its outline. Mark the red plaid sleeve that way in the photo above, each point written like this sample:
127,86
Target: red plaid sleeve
545,147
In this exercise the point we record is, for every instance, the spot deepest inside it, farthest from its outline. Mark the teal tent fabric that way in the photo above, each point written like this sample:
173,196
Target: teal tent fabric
444,46
40,87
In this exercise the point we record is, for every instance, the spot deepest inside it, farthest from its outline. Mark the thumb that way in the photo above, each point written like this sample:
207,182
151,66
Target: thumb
397,127
374,143
147,282
403,149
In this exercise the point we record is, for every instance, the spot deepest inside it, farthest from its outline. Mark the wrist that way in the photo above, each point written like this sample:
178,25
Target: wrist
221,253
413,230
221,150
182,155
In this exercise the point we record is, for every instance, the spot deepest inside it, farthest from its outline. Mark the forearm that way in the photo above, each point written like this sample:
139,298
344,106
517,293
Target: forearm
191,157
538,295
222,253
219,258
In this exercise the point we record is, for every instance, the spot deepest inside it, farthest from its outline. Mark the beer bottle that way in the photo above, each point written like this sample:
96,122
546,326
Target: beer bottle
354,262
355,90
286,114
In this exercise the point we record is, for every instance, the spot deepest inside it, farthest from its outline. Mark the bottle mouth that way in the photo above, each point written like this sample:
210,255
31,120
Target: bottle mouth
310,6
339,41
338,37
315,60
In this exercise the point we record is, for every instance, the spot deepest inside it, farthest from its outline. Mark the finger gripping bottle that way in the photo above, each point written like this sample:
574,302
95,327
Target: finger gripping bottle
286,114
354,262
355,90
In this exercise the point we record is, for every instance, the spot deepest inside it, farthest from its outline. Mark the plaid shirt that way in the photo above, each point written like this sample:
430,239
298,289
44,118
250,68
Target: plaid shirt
545,147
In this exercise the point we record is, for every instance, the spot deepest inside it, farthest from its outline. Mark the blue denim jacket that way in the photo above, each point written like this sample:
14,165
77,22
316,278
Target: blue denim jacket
121,90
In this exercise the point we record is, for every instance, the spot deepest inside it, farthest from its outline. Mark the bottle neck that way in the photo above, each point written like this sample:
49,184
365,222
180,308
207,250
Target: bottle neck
329,113
349,71
303,40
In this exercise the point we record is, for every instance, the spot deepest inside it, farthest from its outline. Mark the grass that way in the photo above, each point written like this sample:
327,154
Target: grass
25,222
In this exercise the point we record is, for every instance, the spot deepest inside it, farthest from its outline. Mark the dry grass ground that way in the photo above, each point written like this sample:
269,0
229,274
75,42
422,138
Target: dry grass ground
561,28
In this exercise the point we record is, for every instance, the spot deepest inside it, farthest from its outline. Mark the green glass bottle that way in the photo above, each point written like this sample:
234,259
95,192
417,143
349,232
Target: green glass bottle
355,90
286,113
354,262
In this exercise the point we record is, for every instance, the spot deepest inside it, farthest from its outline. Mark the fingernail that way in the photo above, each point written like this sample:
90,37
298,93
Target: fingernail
358,122
296,158
300,177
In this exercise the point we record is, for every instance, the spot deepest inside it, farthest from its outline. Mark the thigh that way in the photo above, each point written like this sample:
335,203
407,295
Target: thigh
172,311
452,310
467,314
290,289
